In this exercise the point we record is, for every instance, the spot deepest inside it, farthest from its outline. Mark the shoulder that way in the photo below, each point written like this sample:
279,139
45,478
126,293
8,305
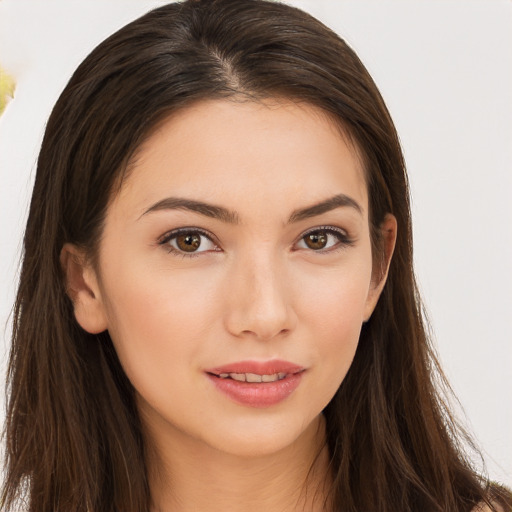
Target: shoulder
482,507
498,499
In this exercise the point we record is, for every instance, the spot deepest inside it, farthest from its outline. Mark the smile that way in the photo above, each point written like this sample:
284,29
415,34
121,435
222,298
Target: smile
253,377
257,384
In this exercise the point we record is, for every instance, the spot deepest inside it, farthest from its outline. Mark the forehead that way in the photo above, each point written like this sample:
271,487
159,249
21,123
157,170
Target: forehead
272,152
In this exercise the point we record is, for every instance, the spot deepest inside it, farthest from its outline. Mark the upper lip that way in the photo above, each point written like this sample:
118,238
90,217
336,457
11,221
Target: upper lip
258,367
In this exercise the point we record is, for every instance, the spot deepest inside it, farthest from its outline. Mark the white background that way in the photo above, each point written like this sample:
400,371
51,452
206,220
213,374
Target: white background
445,71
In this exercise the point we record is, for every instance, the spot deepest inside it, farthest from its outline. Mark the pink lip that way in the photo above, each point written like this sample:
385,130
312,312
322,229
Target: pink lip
260,394
257,367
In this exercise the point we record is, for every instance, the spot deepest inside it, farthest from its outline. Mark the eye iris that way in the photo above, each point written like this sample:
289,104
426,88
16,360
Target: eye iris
188,242
316,240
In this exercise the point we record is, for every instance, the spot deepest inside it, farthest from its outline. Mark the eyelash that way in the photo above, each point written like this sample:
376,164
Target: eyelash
343,240
165,239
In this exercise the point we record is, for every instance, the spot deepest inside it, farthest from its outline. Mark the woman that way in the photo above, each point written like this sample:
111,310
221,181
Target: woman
217,306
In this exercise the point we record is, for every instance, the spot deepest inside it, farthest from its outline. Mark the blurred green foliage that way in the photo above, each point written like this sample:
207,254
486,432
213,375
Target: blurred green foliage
7,86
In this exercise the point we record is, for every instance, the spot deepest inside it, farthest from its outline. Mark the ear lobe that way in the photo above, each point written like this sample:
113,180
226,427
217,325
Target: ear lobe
388,230
83,290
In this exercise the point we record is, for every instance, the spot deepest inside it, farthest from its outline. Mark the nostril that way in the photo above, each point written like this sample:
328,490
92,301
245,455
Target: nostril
259,307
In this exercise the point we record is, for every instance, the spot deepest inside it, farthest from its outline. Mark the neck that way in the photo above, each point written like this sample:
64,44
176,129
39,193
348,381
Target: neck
188,476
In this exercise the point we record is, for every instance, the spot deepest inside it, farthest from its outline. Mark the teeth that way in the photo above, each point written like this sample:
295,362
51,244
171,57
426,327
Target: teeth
253,377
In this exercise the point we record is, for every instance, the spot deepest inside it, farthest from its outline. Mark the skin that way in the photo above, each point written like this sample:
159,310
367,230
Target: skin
255,291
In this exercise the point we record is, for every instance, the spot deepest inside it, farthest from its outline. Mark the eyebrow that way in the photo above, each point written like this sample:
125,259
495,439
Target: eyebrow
232,217
337,201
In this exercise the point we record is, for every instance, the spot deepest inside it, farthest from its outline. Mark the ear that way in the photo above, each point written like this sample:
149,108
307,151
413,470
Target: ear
83,289
388,229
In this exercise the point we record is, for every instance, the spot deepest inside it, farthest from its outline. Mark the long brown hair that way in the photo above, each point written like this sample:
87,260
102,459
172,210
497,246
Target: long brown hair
73,434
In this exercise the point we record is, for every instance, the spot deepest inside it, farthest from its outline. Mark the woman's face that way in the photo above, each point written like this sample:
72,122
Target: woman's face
235,272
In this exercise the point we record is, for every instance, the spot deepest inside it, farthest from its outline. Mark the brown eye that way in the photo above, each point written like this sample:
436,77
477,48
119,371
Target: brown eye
185,241
324,239
316,240
188,242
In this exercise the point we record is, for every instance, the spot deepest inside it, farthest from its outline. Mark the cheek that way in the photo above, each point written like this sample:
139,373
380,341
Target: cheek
154,321
333,317
335,298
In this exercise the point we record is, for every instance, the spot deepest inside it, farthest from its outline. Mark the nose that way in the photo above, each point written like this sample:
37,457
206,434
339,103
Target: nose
259,298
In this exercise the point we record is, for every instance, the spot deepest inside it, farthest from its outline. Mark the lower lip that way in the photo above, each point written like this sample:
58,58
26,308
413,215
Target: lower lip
261,394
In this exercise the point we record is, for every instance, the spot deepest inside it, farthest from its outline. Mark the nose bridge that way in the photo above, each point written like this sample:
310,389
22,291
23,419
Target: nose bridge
260,302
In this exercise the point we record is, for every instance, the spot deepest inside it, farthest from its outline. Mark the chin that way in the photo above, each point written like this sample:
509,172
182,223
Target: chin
259,437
